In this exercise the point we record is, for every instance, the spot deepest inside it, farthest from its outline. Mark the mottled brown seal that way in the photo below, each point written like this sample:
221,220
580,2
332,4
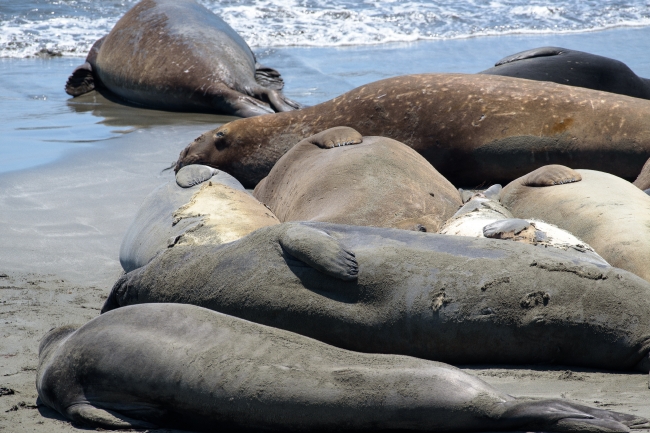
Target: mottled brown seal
471,128
340,177
177,55
171,365
607,212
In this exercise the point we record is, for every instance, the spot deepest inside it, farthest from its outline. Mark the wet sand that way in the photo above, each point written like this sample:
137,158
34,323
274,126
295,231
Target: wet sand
62,221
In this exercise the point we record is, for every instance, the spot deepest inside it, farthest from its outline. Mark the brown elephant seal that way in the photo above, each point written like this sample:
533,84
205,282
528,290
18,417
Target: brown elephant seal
473,129
573,68
177,55
607,212
484,217
381,290
172,365
340,177
643,179
201,206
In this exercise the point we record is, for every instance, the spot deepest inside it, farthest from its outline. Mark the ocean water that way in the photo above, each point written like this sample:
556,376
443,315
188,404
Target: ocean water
322,48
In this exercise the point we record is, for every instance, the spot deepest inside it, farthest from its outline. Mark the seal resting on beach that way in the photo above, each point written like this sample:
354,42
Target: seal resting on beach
573,68
432,296
607,212
485,217
177,55
340,177
171,365
201,206
643,179
473,129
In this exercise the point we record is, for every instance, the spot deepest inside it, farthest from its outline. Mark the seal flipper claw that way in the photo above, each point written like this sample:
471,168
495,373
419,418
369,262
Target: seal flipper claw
90,415
530,54
335,137
550,175
81,81
320,251
194,174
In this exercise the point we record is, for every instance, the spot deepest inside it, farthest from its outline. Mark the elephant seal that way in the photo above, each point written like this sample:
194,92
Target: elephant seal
177,55
473,129
340,177
573,68
607,212
171,365
643,179
483,217
202,206
431,296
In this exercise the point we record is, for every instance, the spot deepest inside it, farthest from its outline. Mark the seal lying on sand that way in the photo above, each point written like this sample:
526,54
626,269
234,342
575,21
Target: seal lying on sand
471,128
643,179
170,365
202,206
483,217
573,68
607,212
177,55
339,177
395,291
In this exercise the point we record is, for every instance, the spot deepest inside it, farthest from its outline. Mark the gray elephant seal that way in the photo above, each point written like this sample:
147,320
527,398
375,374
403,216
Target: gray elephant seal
202,206
340,177
177,55
183,366
607,212
573,68
472,128
643,179
432,296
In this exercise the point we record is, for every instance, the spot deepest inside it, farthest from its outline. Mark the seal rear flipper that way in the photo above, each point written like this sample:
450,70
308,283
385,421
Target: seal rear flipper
88,414
550,175
194,174
268,77
335,137
81,81
244,106
531,54
281,103
320,251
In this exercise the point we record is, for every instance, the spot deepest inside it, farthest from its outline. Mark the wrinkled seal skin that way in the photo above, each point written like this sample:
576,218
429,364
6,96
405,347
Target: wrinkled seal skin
333,177
609,213
170,365
177,55
643,179
573,68
202,205
471,128
426,295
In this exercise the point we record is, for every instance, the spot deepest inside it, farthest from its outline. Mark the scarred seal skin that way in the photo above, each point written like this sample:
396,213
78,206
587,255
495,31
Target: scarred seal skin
177,55
427,295
201,206
573,68
472,128
171,365
607,212
340,177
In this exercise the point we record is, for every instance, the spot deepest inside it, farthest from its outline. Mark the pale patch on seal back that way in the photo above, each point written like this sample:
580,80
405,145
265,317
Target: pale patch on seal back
227,215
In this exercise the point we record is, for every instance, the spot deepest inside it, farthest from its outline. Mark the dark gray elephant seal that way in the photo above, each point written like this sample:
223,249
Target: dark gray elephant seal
338,176
573,68
171,365
177,55
473,129
202,205
395,291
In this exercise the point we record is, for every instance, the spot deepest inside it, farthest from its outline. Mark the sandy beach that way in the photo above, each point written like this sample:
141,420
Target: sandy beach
74,172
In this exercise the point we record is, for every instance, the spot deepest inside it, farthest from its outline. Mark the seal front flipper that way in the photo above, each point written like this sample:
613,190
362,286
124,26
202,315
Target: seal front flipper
194,174
550,175
335,137
530,54
320,251
88,414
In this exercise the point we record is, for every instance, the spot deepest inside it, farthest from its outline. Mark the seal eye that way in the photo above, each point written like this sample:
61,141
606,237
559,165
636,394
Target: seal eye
219,134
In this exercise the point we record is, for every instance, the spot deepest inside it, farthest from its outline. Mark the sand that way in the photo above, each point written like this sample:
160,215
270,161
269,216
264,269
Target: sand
62,219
